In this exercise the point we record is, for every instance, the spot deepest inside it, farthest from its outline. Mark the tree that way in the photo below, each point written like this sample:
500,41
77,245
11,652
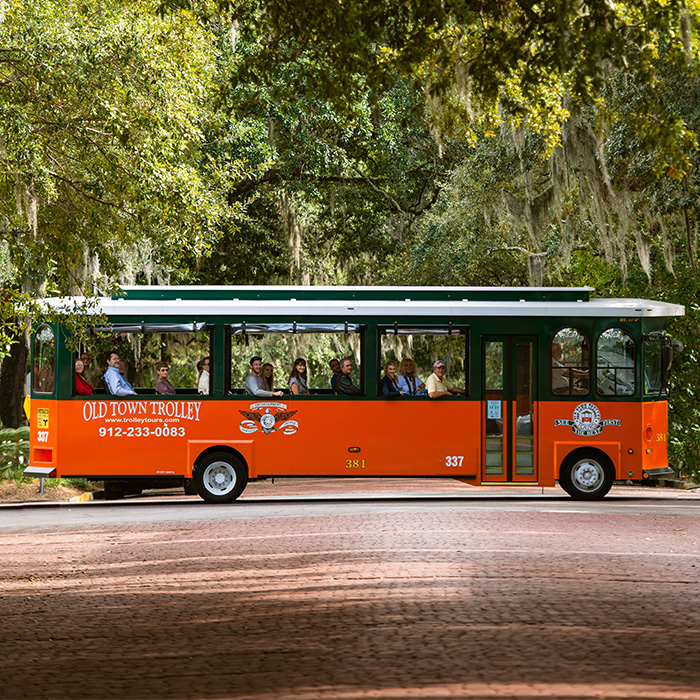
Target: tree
103,107
320,182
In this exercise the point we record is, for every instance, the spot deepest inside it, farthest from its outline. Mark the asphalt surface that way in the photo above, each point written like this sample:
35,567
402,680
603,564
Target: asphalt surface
376,594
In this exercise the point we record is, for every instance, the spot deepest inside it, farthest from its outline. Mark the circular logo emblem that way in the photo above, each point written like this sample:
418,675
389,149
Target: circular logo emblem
267,421
586,416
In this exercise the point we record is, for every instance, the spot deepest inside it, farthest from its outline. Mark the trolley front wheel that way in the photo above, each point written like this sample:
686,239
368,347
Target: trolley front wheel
586,475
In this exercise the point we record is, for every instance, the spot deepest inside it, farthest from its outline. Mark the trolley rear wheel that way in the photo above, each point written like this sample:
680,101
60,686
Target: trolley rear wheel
220,477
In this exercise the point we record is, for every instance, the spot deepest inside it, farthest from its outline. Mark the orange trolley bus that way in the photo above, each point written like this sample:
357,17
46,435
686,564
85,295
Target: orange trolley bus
557,386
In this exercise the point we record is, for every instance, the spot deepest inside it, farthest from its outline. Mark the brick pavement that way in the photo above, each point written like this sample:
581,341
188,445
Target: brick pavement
422,604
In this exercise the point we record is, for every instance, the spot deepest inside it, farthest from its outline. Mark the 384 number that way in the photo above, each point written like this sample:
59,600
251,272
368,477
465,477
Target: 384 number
454,460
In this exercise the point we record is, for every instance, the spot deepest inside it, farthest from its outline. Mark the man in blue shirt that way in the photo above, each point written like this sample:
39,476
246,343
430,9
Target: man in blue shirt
335,368
115,381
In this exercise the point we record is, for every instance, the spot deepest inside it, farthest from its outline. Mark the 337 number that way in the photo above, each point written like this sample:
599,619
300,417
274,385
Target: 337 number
42,435
454,460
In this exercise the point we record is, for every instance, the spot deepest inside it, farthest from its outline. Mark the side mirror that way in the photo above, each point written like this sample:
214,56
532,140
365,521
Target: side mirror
677,345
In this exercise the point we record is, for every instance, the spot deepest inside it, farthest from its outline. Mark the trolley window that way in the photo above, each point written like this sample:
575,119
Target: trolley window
142,347
615,365
44,355
570,363
280,344
414,349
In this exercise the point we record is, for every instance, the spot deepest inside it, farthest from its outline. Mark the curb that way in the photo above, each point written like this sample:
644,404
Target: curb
678,484
87,496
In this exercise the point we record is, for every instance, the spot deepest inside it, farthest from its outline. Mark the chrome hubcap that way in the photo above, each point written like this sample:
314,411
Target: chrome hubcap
219,478
588,475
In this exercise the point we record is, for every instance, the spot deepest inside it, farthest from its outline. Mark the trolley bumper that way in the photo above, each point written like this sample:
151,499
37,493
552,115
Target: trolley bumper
657,473
40,471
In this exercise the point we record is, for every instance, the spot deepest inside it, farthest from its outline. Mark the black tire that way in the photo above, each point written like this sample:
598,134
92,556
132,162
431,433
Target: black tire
220,477
190,487
113,491
118,488
586,475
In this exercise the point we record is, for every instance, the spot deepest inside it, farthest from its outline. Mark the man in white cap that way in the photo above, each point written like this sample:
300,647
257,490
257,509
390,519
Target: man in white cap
437,386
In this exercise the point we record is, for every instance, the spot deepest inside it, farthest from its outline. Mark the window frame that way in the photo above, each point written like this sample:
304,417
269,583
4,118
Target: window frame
634,369
445,329
291,328
35,377
570,392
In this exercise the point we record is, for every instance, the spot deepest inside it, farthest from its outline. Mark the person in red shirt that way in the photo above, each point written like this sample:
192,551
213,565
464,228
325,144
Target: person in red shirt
82,385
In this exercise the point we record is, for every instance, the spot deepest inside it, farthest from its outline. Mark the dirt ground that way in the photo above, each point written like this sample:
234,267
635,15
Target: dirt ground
29,491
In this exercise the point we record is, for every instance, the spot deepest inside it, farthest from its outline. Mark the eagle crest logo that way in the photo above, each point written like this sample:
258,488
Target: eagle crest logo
268,417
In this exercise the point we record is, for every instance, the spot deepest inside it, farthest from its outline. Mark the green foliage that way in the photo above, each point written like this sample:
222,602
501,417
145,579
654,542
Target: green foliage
319,182
534,40
464,239
14,450
103,112
480,60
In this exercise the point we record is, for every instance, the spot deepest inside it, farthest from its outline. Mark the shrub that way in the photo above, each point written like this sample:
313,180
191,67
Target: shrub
14,451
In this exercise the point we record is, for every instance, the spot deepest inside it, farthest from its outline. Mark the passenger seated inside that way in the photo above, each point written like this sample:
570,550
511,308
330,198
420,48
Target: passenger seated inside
437,386
115,382
87,362
390,384
563,376
298,381
268,376
203,369
334,364
344,385
163,385
254,382
409,383
82,384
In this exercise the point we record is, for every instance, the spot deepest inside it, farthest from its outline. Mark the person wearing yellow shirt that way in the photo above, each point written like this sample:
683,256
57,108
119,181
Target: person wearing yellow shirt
437,386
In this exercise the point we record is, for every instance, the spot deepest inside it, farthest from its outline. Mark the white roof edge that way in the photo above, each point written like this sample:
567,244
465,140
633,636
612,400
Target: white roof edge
344,288
626,308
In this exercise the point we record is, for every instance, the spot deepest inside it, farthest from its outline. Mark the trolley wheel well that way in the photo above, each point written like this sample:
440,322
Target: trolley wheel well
587,451
219,448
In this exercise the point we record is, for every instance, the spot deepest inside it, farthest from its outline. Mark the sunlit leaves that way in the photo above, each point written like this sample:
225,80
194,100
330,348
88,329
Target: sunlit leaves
103,108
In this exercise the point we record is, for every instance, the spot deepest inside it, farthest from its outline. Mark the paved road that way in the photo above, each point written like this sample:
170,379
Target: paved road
309,497
471,596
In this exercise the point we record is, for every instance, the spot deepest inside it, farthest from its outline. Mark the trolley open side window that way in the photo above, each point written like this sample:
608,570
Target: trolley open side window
280,344
142,346
416,347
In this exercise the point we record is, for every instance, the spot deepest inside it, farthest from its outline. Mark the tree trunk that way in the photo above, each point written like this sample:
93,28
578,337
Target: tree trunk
12,374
